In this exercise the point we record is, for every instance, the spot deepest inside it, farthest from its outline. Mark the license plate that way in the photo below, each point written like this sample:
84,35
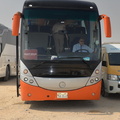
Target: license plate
62,95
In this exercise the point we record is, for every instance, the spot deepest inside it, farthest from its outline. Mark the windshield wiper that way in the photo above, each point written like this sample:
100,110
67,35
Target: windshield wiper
84,61
69,57
86,64
44,62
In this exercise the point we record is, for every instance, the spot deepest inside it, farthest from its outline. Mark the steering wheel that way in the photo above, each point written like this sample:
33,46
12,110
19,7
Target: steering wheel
81,50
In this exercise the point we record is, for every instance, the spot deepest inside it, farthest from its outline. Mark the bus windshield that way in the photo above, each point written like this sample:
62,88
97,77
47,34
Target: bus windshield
114,58
54,34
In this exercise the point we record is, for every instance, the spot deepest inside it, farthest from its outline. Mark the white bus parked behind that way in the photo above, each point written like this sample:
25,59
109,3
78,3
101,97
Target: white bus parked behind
7,53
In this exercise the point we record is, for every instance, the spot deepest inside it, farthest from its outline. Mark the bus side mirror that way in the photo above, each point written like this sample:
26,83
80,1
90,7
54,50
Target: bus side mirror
107,25
16,24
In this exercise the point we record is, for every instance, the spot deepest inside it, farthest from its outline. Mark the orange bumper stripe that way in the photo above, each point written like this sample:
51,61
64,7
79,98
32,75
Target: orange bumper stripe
33,93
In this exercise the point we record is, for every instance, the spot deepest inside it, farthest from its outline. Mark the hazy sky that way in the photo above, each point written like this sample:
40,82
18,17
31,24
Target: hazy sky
108,7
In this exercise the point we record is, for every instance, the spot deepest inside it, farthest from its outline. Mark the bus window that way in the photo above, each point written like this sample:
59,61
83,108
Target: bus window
37,32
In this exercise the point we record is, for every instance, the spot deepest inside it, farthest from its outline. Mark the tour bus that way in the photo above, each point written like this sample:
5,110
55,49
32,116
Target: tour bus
7,53
48,74
110,68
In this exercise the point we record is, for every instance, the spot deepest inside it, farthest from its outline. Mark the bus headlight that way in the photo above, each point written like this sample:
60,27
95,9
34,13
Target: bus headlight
97,71
25,79
31,81
25,71
96,79
91,81
112,77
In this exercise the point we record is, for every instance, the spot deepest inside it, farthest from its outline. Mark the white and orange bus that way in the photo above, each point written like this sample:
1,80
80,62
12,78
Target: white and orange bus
47,74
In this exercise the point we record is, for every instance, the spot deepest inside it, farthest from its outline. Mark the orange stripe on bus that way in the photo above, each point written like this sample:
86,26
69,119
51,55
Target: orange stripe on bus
33,93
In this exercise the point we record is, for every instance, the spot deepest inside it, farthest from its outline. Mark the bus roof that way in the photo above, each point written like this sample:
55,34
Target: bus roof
112,48
61,4
3,29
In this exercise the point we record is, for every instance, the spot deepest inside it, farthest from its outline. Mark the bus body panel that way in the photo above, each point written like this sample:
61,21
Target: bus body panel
33,93
111,71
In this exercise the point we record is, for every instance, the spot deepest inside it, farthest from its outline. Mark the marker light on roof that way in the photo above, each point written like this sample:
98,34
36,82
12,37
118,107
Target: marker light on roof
30,5
91,7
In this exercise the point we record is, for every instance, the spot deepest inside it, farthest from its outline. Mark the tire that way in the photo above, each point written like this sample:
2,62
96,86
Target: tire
7,76
103,92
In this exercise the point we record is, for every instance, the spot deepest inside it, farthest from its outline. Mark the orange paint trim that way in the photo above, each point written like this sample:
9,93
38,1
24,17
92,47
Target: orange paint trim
16,24
40,94
107,25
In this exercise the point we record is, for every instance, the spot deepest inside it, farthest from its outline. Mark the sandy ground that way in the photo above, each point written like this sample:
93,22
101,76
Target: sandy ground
12,108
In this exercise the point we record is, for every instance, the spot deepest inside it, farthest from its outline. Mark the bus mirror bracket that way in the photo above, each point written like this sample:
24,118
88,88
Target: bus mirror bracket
107,25
16,24
15,32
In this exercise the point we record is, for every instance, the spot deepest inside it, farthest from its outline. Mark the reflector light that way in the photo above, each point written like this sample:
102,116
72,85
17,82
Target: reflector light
29,94
93,94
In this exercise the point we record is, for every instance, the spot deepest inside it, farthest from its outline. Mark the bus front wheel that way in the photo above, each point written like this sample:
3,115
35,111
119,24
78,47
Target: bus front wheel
103,92
7,75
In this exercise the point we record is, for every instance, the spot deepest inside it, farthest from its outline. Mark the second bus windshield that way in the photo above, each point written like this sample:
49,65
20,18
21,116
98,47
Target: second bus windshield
49,34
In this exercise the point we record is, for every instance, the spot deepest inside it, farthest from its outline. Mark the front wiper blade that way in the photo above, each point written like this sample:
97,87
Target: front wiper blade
86,63
44,62
35,66
69,57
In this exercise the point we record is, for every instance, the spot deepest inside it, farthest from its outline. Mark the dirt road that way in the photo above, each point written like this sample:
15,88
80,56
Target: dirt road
12,108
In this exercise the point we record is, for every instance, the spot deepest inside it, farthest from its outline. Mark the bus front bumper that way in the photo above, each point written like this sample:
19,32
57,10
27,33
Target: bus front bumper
34,93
